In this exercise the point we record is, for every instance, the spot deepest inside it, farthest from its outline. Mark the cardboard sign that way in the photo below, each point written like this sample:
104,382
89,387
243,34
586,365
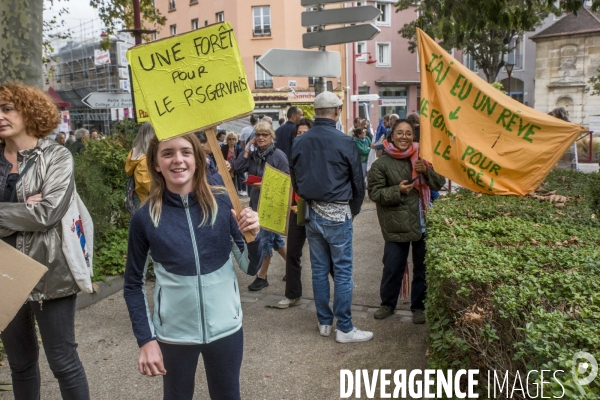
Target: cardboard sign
479,137
190,81
275,200
18,276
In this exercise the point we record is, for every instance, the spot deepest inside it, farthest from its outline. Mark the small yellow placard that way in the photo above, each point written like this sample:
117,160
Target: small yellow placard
275,200
190,81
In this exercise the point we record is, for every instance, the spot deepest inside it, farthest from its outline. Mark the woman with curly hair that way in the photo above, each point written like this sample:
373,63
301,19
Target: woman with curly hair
32,204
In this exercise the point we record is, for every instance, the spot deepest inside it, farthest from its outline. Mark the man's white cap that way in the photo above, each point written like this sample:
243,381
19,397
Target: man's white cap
327,100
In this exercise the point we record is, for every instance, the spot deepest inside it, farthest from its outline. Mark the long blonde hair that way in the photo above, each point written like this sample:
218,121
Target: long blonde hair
201,188
142,141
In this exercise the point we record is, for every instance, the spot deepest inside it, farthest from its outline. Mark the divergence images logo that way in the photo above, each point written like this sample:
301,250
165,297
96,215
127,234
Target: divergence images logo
580,368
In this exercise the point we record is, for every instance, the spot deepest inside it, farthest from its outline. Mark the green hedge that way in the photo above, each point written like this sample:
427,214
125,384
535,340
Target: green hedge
101,182
514,283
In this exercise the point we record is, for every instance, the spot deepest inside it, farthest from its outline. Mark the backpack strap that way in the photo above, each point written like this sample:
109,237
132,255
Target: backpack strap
36,154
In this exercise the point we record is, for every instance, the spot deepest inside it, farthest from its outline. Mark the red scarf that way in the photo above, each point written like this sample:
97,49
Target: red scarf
413,153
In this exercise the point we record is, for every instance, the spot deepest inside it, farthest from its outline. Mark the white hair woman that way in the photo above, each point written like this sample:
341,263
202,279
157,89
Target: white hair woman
254,162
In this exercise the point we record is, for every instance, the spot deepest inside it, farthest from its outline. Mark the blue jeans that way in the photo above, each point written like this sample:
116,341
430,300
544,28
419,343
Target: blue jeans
270,241
56,321
329,240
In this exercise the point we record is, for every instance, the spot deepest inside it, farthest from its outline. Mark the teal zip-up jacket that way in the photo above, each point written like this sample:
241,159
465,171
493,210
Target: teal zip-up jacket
196,296
364,147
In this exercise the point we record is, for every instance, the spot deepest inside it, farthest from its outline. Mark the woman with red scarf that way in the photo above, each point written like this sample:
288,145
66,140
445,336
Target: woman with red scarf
400,183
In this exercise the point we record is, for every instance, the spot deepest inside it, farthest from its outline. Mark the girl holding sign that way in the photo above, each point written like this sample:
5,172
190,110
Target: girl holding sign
189,228
38,171
254,163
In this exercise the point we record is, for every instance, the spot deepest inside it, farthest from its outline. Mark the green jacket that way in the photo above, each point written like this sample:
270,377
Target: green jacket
398,213
363,149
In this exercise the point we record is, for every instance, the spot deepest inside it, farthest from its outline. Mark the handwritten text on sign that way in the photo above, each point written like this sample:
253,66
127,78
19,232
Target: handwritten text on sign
479,137
275,200
191,81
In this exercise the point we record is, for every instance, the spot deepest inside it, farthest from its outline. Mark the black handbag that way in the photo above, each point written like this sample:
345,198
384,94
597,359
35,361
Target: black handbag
303,216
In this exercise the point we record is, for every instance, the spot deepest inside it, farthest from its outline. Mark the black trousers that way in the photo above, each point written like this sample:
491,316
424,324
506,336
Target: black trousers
222,362
293,265
56,320
395,256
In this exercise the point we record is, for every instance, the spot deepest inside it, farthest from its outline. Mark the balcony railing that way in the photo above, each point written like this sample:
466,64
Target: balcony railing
264,31
263,84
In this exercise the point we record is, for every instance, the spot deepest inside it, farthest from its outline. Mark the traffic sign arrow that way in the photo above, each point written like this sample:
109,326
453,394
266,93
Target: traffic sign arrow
108,100
306,3
282,62
364,97
337,16
348,34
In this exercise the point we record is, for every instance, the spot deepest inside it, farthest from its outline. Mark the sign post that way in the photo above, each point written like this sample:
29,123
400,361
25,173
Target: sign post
322,38
192,82
364,97
97,100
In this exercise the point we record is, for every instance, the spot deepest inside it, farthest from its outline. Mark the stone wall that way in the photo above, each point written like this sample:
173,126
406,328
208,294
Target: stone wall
563,66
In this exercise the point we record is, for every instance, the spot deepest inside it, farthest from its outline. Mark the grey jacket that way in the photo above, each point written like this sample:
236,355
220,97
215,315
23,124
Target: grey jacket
39,228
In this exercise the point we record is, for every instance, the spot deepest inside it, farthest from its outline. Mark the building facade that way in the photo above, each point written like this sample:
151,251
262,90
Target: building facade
259,25
568,54
394,75
78,67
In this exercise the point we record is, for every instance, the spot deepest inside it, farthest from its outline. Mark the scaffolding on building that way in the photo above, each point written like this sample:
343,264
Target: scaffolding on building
71,70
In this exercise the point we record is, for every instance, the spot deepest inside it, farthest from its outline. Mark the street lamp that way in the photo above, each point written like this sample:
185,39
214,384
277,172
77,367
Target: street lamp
509,68
370,61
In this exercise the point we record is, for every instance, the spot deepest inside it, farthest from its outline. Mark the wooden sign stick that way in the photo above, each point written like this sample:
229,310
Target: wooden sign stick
211,135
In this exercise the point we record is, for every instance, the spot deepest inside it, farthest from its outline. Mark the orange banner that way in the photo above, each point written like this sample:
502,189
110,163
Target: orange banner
479,137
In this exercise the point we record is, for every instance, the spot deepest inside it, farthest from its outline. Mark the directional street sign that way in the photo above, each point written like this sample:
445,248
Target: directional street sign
282,62
337,16
108,100
364,97
348,34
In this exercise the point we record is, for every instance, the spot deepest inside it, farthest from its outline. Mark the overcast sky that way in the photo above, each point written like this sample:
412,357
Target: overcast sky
80,12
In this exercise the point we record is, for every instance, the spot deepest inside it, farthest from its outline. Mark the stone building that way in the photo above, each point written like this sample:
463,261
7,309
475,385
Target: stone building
567,55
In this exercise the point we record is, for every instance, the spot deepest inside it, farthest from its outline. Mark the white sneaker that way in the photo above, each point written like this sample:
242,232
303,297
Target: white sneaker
287,303
355,335
324,330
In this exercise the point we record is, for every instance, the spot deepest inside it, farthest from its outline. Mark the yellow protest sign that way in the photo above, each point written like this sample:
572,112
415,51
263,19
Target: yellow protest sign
141,110
479,137
190,81
275,200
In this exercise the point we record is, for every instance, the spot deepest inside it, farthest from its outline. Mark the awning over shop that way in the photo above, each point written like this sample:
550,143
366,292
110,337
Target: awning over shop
60,103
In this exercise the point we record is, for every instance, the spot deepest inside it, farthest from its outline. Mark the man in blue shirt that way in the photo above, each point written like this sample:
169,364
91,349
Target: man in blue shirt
284,136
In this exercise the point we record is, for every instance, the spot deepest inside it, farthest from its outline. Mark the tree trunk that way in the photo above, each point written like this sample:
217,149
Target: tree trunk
21,25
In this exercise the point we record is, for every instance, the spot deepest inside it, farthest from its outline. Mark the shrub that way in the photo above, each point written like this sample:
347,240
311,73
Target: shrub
101,181
514,283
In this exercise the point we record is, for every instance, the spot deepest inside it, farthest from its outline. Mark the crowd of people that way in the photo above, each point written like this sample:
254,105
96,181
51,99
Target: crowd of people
186,226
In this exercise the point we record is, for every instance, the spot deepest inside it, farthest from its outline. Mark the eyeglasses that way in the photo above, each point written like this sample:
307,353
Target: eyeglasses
262,135
404,134
232,138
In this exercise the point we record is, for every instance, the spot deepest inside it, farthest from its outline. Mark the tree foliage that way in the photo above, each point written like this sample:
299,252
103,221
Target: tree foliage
483,29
